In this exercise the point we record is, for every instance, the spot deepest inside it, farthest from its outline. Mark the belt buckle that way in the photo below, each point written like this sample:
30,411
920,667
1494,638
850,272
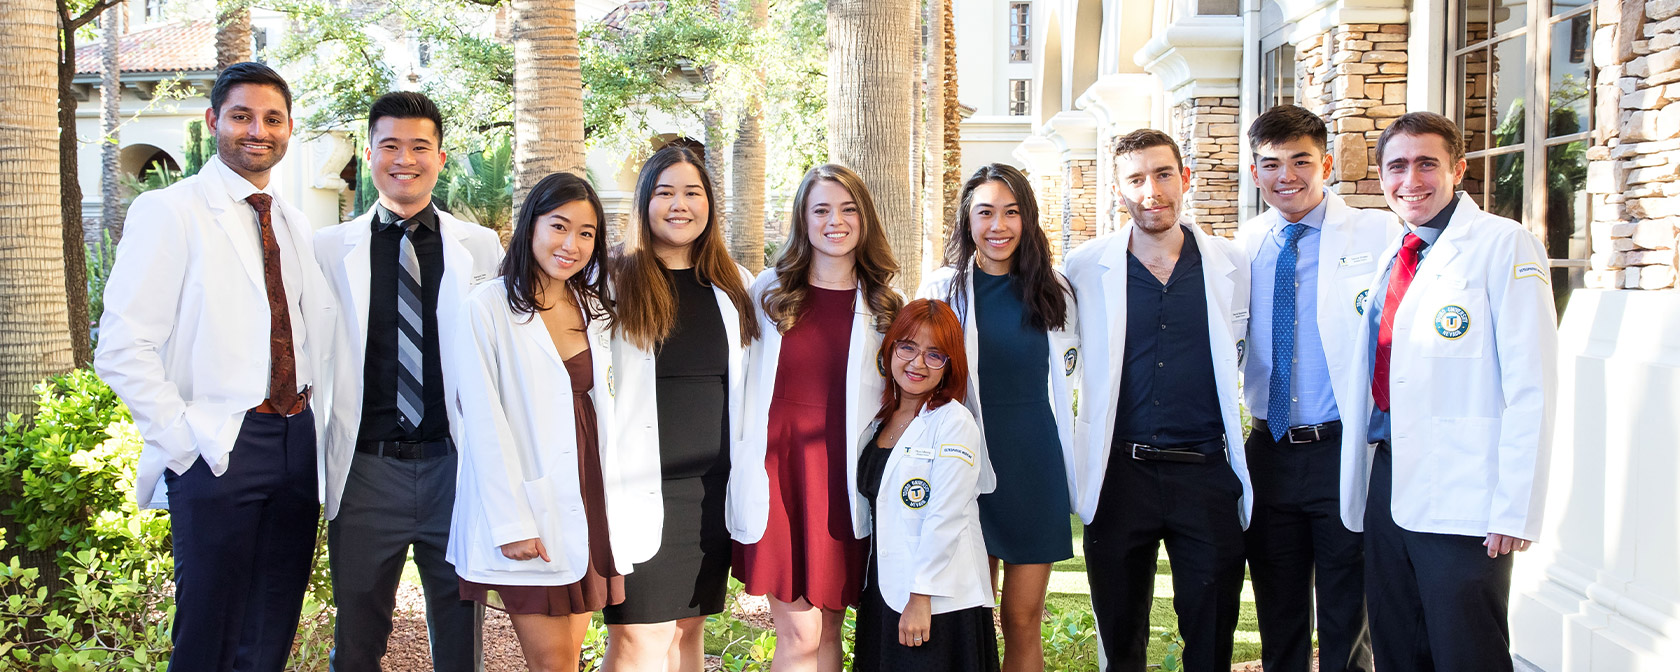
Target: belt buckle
1134,448
1317,434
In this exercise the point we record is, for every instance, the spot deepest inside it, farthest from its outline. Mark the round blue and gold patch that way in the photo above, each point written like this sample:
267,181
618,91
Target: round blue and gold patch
915,493
1451,322
1359,301
1070,359
612,390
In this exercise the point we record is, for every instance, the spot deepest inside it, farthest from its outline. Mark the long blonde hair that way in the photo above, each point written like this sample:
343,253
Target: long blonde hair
647,308
873,259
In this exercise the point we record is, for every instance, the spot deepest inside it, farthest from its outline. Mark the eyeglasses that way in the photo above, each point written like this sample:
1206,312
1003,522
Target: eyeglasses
908,351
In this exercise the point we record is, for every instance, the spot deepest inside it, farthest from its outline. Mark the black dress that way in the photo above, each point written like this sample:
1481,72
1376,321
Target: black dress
690,573
958,641
1025,520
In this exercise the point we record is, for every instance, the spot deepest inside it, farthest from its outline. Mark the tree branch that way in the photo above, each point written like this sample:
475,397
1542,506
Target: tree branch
87,16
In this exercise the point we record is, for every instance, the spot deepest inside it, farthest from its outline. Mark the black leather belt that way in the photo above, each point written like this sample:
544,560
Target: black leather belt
1196,454
1328,431
408,450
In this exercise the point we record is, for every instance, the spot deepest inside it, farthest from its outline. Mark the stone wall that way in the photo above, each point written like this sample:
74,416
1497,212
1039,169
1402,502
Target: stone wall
1354,76
1047,185
1633,174
1208,134
1079,203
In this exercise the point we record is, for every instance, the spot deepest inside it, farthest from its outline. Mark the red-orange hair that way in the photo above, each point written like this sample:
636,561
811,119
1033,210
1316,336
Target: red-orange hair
947,333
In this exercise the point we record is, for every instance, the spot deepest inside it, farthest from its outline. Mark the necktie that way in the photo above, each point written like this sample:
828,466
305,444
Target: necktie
1283,332
282,375
411,333
1398,281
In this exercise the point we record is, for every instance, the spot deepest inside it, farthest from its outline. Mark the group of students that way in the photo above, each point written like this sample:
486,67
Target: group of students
569,427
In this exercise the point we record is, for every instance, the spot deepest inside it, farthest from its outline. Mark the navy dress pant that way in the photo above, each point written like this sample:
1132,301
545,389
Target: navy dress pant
1299,550
1437,601
243,544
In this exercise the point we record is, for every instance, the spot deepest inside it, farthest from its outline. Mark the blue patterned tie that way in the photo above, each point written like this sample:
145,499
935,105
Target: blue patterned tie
1283,333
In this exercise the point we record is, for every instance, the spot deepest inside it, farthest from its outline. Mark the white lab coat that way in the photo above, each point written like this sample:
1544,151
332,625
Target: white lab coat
1349,245
1471,416
184,338
1062,383
927,529
635,421
471,254
518,444
748,505
1098,273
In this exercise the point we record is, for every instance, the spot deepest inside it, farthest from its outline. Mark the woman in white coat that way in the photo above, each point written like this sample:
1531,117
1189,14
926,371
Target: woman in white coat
679,350
812,387
1022,345
531,533
919,470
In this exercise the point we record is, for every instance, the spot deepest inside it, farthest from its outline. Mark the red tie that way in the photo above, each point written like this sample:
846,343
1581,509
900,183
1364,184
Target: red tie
282,377
1397,284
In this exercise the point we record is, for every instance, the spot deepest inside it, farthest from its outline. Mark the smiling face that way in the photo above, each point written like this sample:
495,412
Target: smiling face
832,220
1419,176
994,221
915,378
253,128
1291,176
405,161
678,210
563,239
1152,186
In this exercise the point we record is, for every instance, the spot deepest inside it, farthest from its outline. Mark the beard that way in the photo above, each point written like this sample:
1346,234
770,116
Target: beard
229,150
1156,222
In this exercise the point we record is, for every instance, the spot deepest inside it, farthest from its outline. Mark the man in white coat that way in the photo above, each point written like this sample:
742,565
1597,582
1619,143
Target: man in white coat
1159,456
1312,258
218,329
1444,462
401,272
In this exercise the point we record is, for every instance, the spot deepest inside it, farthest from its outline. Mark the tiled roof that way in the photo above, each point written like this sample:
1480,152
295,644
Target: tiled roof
620,16
182,46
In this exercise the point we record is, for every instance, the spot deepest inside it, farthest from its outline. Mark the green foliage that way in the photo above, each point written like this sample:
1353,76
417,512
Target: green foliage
1174,660
657,63
479,187
99,258
1070,639
158,177
794,56
200,146
67,480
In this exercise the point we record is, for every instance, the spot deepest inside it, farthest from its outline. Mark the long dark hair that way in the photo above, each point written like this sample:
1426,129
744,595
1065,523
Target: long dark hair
1042,294
647,309
520,270
875,265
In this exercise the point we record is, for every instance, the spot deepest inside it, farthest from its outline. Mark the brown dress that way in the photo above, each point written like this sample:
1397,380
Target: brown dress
601,584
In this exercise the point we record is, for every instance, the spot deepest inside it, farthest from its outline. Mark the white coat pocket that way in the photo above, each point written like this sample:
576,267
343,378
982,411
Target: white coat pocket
549,518
1461,467
1455,324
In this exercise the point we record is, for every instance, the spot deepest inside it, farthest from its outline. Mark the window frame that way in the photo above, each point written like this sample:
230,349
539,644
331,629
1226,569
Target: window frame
1020,52
1535,146
1022,103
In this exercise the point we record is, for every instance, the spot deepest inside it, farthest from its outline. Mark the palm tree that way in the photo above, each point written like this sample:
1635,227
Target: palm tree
933,172
34,340
547,93
747,180
110,118
871,113
952,118
233,32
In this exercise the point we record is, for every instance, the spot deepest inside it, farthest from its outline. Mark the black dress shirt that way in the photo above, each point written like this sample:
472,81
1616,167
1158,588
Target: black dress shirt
1168,397
379,370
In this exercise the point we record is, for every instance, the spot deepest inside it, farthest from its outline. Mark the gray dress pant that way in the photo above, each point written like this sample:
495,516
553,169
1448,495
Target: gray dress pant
389,506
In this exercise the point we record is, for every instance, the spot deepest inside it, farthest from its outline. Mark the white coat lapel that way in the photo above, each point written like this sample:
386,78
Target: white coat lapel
232,220
358,277
1114,309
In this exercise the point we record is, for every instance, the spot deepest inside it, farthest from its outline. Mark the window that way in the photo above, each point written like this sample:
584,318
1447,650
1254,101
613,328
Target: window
259,44
1020,32
154,10
1277,77
423,54
1216,7
1528,162
1020,97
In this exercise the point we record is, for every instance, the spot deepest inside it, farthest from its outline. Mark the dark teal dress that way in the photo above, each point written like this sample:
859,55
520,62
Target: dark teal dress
1025,521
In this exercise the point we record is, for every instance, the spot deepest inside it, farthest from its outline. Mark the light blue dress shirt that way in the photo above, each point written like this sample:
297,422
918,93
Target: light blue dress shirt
1379,429
1314,401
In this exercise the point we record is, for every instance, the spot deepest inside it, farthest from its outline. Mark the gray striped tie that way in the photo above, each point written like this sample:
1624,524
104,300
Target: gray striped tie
411,334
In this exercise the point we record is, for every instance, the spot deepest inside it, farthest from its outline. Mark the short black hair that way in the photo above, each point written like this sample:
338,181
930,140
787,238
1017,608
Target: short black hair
1285,123
1144,138
249,72
405,105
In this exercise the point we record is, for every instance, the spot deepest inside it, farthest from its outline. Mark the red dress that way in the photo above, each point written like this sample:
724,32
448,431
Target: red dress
808,549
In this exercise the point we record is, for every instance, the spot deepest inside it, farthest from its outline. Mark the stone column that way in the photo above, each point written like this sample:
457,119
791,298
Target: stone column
1079,202
1206,128
1354,75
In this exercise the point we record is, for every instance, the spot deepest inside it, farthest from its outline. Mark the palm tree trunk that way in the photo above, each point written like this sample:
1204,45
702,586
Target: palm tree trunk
34,341
951,117
933,176
110,118
233,33
547,93
870,71
747,178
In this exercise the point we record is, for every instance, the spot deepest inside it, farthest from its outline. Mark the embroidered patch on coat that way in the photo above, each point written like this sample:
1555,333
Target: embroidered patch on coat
957,451
1070,359
1451,322
915,493
1359,301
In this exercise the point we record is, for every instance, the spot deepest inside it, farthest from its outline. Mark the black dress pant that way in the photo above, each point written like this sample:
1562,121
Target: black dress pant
1298,548
243,544
1193,508
1437,601
389,506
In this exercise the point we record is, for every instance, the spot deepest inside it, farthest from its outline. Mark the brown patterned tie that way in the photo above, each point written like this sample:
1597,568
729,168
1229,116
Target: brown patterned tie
282,377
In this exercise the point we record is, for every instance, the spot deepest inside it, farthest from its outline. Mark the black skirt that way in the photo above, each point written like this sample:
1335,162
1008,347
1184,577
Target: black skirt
958,641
